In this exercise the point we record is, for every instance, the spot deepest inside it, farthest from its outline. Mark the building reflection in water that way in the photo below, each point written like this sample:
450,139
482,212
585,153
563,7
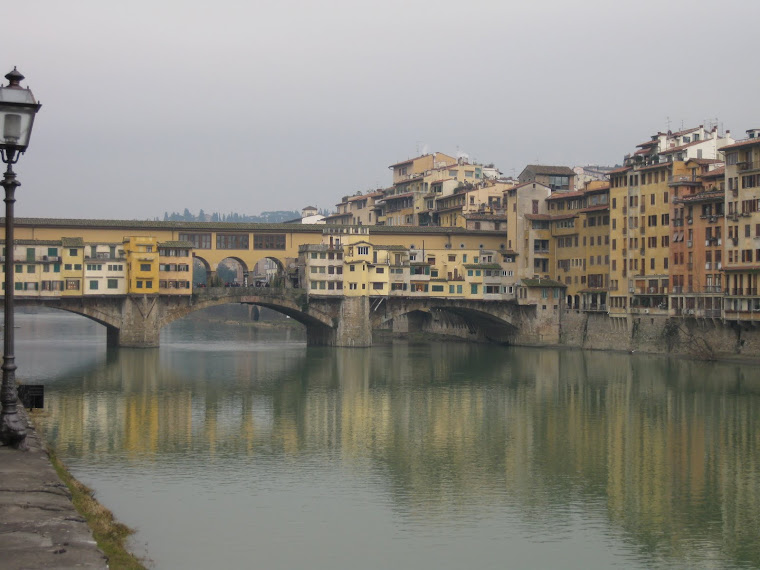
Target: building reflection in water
667,450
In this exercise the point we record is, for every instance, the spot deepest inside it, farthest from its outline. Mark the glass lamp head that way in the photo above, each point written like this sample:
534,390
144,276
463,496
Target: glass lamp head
17,110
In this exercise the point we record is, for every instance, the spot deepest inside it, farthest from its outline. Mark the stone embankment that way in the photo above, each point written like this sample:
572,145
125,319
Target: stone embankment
703,339
698,338
39,526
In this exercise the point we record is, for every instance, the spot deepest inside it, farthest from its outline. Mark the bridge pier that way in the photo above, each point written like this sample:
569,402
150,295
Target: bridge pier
140,326
354,328
112,336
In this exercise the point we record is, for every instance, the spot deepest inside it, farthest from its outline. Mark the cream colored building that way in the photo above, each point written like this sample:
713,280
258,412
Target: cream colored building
741,255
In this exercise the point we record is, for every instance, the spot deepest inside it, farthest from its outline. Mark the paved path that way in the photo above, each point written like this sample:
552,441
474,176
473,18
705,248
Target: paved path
39,526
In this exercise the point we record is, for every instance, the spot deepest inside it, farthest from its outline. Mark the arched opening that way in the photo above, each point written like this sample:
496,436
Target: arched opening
232,272
201,272
31,308
273,272
241,322
454,321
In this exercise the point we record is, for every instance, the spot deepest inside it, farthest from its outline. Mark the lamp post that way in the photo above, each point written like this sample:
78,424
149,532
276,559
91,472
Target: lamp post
17,110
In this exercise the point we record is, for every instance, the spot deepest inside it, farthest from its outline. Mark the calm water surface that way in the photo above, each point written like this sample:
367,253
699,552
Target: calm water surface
232,447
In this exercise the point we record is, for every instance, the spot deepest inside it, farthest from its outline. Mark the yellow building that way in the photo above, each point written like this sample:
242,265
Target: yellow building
619,300
34,259
569,243
415,166
741,253
640,237
142,264
175,266
72,258
595,238
529,228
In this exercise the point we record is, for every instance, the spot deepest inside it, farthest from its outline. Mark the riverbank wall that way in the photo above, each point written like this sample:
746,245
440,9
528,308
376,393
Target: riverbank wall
660,334
704,339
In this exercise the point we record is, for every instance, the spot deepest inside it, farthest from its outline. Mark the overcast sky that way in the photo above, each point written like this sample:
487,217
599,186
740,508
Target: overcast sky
248,106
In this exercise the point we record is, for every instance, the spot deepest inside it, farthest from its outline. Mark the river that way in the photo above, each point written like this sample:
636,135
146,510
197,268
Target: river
239,447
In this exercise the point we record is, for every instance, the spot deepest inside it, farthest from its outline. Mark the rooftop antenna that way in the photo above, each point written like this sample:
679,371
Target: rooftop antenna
667,120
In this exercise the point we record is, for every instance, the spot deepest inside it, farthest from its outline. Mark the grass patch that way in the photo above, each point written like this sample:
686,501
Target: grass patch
110,534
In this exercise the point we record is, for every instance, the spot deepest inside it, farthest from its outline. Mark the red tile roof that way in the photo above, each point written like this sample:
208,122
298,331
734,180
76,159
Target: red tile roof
741,144
701,197
716,173
686,132
600,188
560,195
550,170
683,146
741,268
516,186
654,166
548,217
405,195
597,208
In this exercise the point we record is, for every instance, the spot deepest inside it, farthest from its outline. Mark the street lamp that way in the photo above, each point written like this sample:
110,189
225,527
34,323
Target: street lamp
17,110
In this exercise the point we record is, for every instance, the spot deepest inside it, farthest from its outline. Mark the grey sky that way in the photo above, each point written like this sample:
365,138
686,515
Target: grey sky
250,106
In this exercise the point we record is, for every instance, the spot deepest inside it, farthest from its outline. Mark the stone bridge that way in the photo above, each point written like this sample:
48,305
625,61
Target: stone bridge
136,320
498,321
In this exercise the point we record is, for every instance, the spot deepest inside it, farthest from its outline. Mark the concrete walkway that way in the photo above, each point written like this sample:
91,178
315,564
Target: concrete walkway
39,526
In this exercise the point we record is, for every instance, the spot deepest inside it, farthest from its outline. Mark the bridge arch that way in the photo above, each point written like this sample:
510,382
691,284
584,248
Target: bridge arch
496,322
320,325
107,318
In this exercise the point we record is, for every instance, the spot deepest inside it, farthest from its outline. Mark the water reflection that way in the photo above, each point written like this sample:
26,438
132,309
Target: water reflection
659,455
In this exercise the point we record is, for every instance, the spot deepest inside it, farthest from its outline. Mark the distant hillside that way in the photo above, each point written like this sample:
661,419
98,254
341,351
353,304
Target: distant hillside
263,218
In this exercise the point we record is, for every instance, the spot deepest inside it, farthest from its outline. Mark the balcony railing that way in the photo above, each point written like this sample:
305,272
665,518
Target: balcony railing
741,291
745,165
595,307
651,291
682,179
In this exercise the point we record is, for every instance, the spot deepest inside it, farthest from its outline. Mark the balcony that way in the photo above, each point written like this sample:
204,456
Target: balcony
745,165
595,308
683,180
699,313
651,291
741,292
